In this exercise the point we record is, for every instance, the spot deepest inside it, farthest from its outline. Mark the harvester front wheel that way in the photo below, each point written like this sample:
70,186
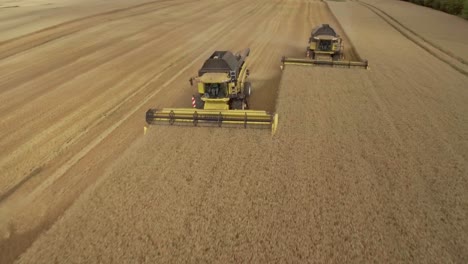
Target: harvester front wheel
247,89
238,104
336,56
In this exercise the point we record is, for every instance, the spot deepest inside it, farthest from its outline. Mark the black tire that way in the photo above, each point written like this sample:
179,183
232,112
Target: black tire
336,56
247,107
237,104
247,89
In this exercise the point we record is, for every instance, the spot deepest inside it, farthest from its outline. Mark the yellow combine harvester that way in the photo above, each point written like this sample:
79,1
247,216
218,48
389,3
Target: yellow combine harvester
325,44
222,97
325,48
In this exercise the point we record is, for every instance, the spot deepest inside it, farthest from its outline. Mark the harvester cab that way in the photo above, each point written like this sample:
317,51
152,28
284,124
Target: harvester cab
325,44
325,48
222,82
221,98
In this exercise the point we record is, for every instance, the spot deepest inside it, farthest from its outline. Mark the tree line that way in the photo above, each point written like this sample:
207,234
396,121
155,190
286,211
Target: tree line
454,7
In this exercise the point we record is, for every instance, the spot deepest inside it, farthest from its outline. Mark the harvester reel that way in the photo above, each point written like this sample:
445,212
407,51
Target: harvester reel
334,63
202,117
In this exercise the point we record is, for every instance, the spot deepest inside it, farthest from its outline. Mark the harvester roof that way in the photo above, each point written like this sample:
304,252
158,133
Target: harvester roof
324,29
220,61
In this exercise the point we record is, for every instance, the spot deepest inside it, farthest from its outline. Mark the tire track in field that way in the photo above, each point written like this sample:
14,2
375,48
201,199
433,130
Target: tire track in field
419,35
456,63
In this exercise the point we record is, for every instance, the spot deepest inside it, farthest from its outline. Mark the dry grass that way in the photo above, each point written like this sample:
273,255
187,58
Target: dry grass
342,181
366,165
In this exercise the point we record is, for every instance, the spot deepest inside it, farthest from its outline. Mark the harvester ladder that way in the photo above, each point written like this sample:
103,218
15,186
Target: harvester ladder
232,74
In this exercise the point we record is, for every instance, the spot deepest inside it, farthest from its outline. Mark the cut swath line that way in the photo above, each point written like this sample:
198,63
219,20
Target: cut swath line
31,175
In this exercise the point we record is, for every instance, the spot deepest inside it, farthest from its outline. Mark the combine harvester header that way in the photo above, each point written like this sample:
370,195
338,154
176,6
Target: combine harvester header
222,97
345,64
325,48
189,116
